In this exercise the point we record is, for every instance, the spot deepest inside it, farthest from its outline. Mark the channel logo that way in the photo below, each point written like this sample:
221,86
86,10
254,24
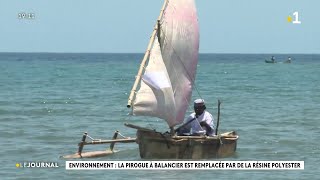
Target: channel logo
37,165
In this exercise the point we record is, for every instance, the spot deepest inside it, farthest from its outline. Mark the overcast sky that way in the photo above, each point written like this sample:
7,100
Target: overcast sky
124,26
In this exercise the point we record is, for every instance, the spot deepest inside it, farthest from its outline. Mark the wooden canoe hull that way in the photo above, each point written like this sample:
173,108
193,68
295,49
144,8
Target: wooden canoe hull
270,61
155,145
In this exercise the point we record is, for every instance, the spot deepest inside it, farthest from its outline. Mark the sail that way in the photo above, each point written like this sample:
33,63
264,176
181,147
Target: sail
166,85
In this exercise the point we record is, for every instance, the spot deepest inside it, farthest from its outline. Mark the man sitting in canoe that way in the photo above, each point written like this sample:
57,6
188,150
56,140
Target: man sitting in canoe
198,123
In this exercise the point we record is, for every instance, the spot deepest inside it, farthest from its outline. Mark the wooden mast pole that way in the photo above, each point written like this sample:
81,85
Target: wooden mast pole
146,56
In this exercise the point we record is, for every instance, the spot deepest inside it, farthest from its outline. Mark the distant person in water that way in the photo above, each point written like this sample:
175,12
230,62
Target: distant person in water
273,59
289,60
200,122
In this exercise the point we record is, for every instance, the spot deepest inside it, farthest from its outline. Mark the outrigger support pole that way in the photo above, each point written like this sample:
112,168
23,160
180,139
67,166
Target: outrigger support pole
114,137
81,144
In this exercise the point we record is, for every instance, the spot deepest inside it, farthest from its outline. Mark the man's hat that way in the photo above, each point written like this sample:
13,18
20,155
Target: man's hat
198,102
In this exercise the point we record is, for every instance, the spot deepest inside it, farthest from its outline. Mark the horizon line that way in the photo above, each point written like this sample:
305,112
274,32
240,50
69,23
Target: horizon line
144,52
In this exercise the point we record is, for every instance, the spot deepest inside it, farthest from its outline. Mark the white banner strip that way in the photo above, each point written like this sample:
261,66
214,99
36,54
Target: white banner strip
183,165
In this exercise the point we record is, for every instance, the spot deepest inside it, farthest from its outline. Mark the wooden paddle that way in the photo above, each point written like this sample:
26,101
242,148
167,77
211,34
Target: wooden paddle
183,125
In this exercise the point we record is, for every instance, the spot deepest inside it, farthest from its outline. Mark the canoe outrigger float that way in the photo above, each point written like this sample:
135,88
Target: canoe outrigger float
94,154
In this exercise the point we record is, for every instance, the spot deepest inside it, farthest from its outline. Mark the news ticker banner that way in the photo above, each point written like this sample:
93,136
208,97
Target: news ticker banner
185,165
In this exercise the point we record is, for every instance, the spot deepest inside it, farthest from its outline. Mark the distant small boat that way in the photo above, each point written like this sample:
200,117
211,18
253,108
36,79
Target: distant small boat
270,61
287,61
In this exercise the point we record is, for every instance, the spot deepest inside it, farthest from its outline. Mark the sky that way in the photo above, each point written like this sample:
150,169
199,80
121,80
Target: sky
125,26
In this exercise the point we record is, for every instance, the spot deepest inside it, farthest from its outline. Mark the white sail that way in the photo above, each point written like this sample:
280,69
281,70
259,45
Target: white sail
166,85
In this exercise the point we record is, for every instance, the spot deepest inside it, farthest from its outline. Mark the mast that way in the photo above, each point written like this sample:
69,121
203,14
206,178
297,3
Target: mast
146,56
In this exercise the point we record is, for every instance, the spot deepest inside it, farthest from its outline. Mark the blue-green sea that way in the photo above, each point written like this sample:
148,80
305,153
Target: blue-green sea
47,101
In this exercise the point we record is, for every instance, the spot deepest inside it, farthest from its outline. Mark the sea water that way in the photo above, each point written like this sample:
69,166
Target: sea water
47,101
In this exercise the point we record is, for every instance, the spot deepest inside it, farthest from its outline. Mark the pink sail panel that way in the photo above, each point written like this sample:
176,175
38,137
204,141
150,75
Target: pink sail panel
166,86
